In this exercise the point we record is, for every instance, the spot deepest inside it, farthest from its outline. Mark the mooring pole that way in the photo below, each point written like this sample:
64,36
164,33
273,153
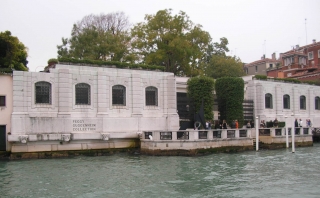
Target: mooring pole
293,134
287,132
257,134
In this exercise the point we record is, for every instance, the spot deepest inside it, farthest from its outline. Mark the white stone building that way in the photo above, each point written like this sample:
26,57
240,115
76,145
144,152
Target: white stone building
274,99
80,107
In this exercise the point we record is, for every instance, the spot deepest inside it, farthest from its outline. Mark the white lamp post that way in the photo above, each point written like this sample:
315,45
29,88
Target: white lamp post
257,133
287,131
293,133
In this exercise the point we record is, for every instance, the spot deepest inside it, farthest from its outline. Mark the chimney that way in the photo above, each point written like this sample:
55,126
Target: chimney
297,46
263,57
313,41
273,55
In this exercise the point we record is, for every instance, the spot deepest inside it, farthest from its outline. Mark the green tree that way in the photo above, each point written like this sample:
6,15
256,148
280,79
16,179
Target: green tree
201,88
172,41
98,37
224,66
13,53
230,95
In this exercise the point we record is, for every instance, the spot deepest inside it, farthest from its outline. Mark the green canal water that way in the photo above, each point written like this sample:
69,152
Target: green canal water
267,173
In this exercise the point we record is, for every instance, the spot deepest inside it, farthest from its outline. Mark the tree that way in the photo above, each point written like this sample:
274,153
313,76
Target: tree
224,66
201,89
13,53
98,37
172,41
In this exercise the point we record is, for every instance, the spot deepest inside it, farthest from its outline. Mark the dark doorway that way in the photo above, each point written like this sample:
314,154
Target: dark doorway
3,138
185,111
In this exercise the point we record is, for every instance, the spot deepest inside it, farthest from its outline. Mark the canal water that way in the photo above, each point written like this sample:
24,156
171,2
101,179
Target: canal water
267,173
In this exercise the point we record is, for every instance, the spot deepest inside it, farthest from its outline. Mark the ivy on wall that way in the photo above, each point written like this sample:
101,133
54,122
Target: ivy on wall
230,95
115,63
289,80
199,88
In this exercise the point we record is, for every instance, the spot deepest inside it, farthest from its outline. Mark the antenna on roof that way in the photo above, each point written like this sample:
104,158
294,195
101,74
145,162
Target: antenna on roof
305,23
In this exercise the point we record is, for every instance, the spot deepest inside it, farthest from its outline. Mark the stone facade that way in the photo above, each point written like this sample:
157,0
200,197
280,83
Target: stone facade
64,124
256,90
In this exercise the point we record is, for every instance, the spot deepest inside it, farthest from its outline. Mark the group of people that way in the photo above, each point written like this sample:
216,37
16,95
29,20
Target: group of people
300,123
218,124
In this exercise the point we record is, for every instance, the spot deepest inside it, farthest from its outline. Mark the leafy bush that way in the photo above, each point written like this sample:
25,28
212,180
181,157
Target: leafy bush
202,88
230,94
53,60
115,63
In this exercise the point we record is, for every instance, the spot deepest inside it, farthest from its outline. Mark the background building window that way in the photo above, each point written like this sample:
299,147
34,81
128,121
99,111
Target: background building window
2,101
302,102
310,55
43,92
151,96
317,103
118,95
286,102
256,68
268,101
83,94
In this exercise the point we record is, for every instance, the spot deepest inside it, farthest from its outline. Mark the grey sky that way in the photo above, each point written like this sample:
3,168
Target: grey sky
252,27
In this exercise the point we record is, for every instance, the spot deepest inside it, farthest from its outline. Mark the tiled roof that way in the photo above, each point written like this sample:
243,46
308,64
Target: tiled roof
266,60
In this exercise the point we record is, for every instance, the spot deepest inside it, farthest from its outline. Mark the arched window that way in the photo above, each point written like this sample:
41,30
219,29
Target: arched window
118,95
151,96
286,102
302,102
317,103
268,101
83,94
42,92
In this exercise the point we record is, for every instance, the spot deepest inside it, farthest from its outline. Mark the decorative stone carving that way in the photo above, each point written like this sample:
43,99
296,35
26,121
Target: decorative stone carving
105,136
66,137
23,138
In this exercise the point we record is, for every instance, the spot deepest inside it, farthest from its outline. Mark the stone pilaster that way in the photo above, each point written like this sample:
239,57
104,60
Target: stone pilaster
64,91
136,94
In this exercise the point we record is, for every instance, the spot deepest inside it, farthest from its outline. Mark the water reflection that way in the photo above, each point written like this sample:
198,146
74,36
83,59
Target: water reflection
268,173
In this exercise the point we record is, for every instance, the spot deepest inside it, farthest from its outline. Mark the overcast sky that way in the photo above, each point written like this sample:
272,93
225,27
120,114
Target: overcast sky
253,28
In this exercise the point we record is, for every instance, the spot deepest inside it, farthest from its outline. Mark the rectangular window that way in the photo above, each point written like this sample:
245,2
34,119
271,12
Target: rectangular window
270,65
151,98
256,68
318,53
147,135
203,134
310,55
165,135
2,101
231,133
182,135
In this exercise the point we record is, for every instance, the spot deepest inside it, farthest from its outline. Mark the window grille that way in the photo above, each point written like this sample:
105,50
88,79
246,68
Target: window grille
119,95
268,101
146,135
2,101
83,94
203,134
216,134
286,102
182,135
242,133
165,135
317,103
302,102
310,55
151,96
231,133
43,93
